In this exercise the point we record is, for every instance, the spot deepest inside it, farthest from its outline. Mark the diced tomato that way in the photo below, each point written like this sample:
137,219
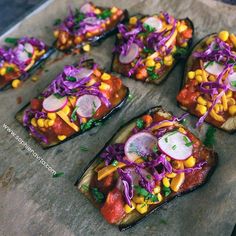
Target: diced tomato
187,33
60,127
36,104
113,208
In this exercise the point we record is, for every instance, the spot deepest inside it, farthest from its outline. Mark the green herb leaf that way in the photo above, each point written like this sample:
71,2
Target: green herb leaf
187,142
11,40
57,22
208,64
143,192
181,51
155,149
130,97
140,123
10,69
70,78
166,191
83,149
210,137
85,187
233,83
87,125
57,95
79,17
74,115
105,14
59,174
148,50
174,147
115,163
148,28
99,197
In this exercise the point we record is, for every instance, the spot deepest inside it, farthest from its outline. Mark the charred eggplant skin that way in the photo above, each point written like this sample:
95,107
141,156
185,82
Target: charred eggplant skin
184,77
177,57
123,227
97,40
99,122
38,63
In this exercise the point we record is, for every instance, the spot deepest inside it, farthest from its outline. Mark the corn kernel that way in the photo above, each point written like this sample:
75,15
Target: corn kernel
212,78
61,137
51,122
201,109
171,175
182,28
174,49
138,199
182,130
233,39
114,9
40,122
191,74
33,122
159,196
168,158
128,209
105,76
133,20
176,164
184,45
66,110
34,78
231,101
97,11
158,66
190,162
55,33
3,71
199,78
142,208
15,83
166,182
150,63
168,60
198,72
201,101
78,40
223,35
104,86
232,110
52,115
46,123
86,48
157,189
217,117
229,94
209,40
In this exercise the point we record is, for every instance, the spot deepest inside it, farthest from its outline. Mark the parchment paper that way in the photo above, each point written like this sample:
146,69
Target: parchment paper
34,203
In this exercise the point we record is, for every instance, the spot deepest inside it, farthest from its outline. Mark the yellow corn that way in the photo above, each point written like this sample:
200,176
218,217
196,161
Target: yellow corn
66,110
168,158
34,78
61,137
191,74
55,33
198,72
232,110
114,9
232,38
86,48
231,101
209,104
78,40
104,86
159,196
176,164
204,76
128,209
91,82
174,49
182,130
97,11
216,116
178,180
40,122
138,199
157,189
224,102
150,63
3,71
190,162
15,83
182,28
184,45
51,122
201,109
223,35
209,40
166,182
158,66
229,94
212,78
33,122
142,208
105,76
133,20
168,60
201,101
199,78
52,115
171,175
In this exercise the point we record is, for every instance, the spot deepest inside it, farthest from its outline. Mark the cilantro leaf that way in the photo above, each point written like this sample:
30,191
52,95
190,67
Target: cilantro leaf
140,123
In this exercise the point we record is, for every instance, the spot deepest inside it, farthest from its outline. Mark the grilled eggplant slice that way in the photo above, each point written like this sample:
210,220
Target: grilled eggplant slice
209,83
148,47
18,62
81,97
88,26
147,163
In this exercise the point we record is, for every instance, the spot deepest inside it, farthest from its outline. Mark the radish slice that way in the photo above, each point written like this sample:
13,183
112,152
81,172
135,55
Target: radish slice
23,56
154,23
232,81
86,8
53,104
140,144
84,72
176,145
213,68
23,53
131,55
87,105
29,48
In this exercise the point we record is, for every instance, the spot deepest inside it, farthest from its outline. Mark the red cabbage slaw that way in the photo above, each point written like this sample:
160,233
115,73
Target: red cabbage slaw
154,40
220,52
156,166
9,55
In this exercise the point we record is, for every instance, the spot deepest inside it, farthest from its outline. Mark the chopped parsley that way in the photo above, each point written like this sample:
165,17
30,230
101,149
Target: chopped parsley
73,115
83,149
143,192
70,78
115,163
208,64
148,50
10,69
148,28
233,83
130,97
140,123
174,147
79,17
210,137
11,40
59,174
181,51
105,14
155,149
99,197
148,176
57,95
152,74
166,191
187,142
57,22
85,187
87,125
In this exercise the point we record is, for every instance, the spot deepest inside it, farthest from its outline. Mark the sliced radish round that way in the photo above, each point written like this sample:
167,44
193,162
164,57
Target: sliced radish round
29,48
86,8
154,22
53,104
176,145
232,81
23,56
87,105
140,144
213,68
84,72
131,55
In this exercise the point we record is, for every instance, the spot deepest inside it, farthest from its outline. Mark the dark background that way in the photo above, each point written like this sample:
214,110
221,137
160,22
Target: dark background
11,11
